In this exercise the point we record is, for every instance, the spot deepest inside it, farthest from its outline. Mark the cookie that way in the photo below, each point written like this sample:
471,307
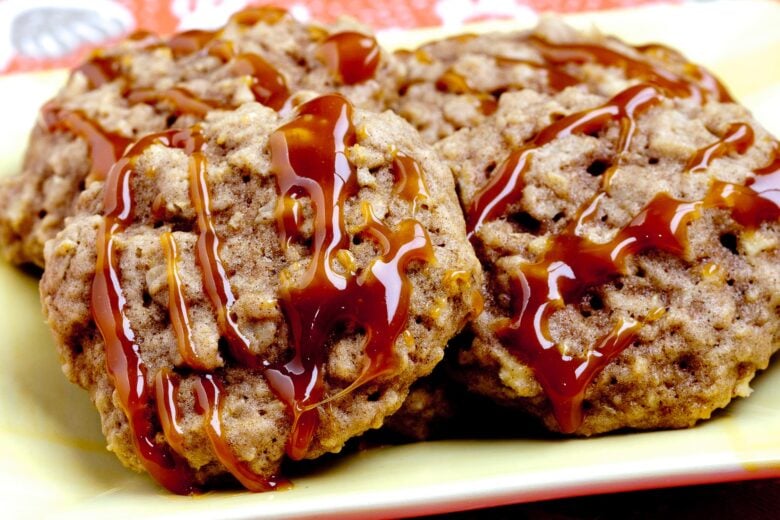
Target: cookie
631,247
146,84
456,82
258,287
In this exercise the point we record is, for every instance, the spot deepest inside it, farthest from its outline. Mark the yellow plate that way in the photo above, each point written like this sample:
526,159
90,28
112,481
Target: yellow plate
52,456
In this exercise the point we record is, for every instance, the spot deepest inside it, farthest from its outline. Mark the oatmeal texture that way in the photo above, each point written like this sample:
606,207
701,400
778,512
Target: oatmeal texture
699,308
146,84
256,423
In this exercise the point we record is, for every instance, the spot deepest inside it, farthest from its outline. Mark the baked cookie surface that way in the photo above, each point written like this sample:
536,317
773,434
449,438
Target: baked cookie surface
631,246
146,84
258,287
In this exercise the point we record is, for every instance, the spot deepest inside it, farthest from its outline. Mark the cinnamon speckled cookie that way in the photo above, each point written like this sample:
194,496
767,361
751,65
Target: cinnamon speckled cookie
256,288
146,84
631,246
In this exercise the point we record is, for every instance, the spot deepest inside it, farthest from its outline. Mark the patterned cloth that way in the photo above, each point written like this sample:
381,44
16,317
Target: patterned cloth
43,34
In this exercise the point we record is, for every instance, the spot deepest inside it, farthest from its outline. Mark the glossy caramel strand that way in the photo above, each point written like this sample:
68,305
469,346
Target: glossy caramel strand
166,390
767,179
454,83
739,137
751,211
181,100
268,84
123,354
216,283
557,79
701,75
267,14
638,68
105,148
351,57
209,401
308,157
409,182
124,362
505,186
99,70
177,305
189,42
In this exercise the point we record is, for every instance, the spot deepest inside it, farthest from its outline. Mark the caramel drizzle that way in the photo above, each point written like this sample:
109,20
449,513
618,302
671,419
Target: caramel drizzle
166,388
215,280
105,148
177,305
556,78
702,76
315,308
351,57
267,14
505,186
308,159
209,401
454,83
126,368
409,182
268,84
99,70
673,84
555,56
180,99
123,355
573,265
739,137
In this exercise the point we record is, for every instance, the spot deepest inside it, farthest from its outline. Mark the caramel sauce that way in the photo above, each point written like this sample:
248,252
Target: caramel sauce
105,148
208,393
189,42
573,265
99,70
505,186
351,57
177,306
268,84
751,210
166,388
454,83
123,354
696,83
215,280
409,183
739,137
308,159
766,183
557,79
701,75
267,14
673,84
180,99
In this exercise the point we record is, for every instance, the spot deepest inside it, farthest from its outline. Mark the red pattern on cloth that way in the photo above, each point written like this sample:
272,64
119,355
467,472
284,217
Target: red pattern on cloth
66,45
